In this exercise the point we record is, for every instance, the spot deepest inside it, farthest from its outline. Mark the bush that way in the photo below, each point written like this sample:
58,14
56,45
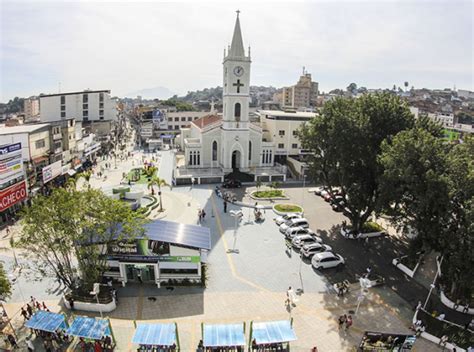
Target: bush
274,193
288,208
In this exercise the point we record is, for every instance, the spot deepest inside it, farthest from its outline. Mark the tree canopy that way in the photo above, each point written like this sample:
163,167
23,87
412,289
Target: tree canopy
346,140
5,285
61,233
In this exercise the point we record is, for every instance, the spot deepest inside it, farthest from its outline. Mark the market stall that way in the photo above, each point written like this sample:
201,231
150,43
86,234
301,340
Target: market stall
230,337
163,337
46,321
92,331
271,335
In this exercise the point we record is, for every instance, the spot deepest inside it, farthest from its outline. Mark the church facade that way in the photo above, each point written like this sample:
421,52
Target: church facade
216,146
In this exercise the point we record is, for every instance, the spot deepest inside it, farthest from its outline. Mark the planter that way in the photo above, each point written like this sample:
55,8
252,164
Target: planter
283,212
91,307
282,197
398,263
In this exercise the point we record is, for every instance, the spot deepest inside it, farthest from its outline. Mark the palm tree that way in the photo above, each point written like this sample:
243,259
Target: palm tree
156,181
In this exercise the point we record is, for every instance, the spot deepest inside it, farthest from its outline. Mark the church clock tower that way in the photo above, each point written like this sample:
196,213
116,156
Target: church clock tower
236,83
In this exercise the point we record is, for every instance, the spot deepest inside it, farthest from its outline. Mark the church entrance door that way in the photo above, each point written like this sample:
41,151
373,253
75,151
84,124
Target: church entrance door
235,160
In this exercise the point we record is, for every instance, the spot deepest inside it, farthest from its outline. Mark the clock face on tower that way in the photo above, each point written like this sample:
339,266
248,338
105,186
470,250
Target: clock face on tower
238,71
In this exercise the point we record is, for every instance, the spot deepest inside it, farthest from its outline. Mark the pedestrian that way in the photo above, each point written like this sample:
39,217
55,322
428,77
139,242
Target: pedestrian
44,306
443,341
203,215
466,308
418,306
24,313
8,231
12,341
199,216
342,319
290,295
71,303
38,305
225,206
348,322
30,345
29,310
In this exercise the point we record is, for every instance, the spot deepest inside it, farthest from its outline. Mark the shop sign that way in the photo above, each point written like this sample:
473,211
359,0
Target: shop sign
11,164
12,195
52,171
65,168
176,259
123,248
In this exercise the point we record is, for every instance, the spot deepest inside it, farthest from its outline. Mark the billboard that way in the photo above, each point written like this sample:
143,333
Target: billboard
12,195
52,171
11,164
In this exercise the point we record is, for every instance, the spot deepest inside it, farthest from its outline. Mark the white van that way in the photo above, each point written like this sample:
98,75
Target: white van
301,222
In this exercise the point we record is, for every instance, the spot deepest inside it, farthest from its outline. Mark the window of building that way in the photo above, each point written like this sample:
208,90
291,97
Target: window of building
176,127
170,119
294,146
250,150
237,108
295,133
85,113
40,144
194,157
196,117
85,119
63,113
281,146
281,132
63,107
190,118
71,123
214,151
63,99
85,106
176,119
101,117
101,112
85,98
101,96
183,119
101,105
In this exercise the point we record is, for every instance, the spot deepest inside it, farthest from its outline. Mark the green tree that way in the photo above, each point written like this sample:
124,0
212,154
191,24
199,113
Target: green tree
352,88
58,232
345,140
5,285
156,181
258,184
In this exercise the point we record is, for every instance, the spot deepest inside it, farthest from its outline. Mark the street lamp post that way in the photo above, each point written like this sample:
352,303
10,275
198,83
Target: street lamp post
301,290
304,184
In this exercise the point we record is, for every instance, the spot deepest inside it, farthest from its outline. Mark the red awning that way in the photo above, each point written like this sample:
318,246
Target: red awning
40,159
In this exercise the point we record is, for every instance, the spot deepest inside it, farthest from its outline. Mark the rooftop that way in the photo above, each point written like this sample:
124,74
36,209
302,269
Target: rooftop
206,120
4,130
281,113
73,93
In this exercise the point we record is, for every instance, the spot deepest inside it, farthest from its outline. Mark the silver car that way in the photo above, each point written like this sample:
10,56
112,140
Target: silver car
309,250
300,241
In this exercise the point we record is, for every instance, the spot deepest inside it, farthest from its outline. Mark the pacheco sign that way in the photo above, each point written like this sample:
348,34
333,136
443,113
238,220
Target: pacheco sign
12,195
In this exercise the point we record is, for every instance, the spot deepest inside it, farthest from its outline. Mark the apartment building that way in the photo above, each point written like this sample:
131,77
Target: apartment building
31,108
182,119
302,95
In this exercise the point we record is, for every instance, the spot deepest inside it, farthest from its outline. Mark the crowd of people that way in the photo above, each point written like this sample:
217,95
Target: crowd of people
105,344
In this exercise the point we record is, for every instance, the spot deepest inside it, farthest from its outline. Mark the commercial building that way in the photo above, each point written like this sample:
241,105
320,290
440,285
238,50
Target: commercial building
31,108
167,251
280,127
85,106
303,94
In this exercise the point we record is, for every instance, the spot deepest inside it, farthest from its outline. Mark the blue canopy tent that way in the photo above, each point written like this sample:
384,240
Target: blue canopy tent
223,335
90,328
163,335
272,334
46,321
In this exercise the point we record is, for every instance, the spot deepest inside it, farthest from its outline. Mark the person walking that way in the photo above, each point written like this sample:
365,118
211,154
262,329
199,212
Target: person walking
203,215
199,216
8,231
225,206
29,310
342,319
348,322
290,294
24,313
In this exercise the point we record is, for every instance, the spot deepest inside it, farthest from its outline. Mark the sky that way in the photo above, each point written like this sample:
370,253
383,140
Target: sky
47,47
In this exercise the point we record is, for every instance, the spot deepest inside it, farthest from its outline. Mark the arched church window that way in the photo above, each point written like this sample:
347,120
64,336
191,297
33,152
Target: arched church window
198,158
237,111
214,151
190,158
250,150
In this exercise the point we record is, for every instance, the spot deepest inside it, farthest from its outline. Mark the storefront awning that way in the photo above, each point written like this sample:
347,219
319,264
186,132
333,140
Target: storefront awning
40,159
46,321
89,328
272,332
155,334
223,335
175,232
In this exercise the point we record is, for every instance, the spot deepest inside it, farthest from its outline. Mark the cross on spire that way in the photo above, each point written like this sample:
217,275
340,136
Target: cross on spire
238,12
238,85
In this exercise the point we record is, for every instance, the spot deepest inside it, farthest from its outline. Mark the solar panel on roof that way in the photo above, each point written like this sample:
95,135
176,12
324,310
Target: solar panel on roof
223,335
273,332
155,334
174,232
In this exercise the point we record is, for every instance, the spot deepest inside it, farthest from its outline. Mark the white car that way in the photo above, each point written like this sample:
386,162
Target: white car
301,222
352,235
296,231
309,250
326,260
284,218
301,240
318,190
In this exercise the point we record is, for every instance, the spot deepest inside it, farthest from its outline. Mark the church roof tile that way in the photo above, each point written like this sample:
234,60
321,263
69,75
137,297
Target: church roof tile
206,120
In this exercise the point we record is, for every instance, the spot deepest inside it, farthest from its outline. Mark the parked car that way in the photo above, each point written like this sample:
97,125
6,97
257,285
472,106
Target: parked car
320,189
338,206
338,198
309,250
302,222
301,240
296,231
326,260
352,235
232,184
284,218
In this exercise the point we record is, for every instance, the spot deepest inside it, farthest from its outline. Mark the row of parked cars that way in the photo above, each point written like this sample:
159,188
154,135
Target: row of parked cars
333,197
296,229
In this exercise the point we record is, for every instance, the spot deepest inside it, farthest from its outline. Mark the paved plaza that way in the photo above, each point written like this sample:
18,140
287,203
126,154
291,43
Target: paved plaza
250,285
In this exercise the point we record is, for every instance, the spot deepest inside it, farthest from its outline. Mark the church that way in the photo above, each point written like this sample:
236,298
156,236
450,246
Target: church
229,146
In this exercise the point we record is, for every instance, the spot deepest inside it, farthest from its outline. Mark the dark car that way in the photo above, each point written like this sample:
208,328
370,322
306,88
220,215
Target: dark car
232,184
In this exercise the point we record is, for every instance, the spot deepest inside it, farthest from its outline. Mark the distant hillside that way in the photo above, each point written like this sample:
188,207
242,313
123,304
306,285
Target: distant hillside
152,93
205,94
